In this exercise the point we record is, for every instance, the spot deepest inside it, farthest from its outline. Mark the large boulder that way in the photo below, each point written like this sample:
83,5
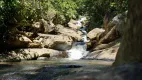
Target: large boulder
109,45
105,51
93,34
120,22
18,41
43,26
34,53
58,42
69,32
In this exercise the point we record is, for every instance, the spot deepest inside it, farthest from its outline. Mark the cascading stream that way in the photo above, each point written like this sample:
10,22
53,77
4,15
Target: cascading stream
79,49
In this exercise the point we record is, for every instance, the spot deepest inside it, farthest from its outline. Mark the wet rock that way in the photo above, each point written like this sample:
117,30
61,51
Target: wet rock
69,32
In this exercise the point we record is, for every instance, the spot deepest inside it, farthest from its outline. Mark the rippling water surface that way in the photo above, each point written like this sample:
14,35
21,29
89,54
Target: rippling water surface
49,69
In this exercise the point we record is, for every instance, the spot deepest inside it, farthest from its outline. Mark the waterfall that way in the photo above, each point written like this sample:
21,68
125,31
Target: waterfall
79,49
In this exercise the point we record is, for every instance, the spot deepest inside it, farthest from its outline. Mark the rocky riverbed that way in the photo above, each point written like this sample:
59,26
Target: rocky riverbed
38,52
44,40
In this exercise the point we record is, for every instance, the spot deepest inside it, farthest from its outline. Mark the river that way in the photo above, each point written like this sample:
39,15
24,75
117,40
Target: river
49,69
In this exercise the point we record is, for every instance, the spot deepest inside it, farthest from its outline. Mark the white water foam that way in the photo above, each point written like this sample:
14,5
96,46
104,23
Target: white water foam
78,49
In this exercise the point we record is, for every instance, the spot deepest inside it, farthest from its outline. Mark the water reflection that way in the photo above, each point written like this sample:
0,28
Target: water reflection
49,69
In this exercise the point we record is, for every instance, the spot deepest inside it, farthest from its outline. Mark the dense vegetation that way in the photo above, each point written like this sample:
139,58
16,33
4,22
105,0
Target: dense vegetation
15,13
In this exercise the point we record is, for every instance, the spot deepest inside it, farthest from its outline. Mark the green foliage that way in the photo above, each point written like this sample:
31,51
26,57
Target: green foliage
23,12
97,9
66,7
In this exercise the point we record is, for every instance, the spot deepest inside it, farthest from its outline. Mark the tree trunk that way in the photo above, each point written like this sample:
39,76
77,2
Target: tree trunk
131,46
